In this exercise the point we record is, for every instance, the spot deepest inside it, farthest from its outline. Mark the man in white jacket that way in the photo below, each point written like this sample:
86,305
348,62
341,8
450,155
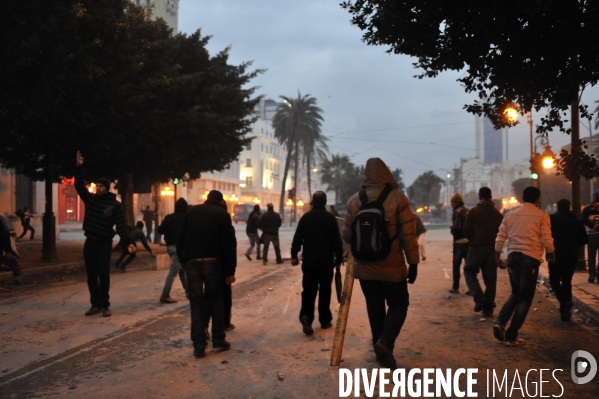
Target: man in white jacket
528,232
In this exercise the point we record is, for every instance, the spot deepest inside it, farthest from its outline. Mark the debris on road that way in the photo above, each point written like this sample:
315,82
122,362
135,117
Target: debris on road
280,376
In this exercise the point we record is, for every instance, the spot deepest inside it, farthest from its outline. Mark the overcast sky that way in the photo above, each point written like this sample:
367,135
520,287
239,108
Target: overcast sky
372,104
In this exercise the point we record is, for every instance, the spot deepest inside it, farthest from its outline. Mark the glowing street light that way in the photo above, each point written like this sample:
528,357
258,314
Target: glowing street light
300,203
167,192
256,200
289,202
511,113
205,195
233,198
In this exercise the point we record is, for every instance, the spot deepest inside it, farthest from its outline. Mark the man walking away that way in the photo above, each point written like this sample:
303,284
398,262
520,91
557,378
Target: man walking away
528,233
568,236
480,228
460,242
135,234
148,219
169,228
25,217
8,256
386,281
318,233
590,218
206,248
270,223
251,229
420,235
102,211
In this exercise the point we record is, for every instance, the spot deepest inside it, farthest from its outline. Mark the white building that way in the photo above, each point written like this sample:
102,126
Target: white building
165,9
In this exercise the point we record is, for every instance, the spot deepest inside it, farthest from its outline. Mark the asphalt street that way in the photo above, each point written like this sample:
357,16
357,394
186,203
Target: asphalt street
50,349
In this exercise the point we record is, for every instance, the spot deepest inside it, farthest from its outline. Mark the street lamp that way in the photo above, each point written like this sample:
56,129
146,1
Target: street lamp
256,200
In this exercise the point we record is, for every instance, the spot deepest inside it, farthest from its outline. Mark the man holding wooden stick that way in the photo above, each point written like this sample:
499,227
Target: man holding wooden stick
384,282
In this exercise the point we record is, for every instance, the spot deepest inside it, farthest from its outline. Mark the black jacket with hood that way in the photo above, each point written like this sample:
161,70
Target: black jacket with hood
172,223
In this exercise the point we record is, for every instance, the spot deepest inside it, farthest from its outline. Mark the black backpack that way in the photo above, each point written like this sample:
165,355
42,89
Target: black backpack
370,239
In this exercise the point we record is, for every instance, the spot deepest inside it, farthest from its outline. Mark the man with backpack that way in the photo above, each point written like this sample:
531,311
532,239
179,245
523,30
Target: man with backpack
380,226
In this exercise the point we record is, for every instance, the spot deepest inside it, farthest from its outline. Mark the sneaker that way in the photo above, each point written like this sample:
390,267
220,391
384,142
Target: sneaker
264,262
121,269
454,291
279,262
230,327
384,355
479,306
499,332
248,257
565,311
224,344
307,326
199,352
469,293
259,257
93,310
325,326
19,280
106,312
167,299
488,312
516,342
591,279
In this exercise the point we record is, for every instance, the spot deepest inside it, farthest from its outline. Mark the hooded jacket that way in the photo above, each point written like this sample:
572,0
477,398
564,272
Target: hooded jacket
401,222
171,224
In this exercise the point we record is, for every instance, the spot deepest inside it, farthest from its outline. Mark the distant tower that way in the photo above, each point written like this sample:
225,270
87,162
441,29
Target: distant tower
491,144
165,9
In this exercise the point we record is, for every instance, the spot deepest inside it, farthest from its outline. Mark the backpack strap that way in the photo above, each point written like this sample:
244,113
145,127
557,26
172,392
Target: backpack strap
363,196
384,194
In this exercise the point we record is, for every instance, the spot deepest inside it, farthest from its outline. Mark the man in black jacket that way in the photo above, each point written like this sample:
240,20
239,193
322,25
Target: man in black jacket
135,234
568,236
102,211
206,248
318,232
8,256
251,230
169,228
270,223
460,242
590,218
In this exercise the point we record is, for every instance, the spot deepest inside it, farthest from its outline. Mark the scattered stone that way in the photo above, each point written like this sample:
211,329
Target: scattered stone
224,362
448,297
270,288
122,324
43,354
5,370
482,319
62,279
325,350
21,314
280,376
535,309
73,387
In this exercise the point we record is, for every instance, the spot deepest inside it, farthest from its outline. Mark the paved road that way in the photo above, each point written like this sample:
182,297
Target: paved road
49,349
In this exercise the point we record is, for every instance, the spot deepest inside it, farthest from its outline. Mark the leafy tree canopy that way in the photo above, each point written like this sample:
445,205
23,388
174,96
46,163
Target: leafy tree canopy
426,188
530,53
101,77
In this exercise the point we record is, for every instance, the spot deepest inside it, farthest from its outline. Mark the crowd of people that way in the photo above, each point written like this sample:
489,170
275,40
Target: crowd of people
386,254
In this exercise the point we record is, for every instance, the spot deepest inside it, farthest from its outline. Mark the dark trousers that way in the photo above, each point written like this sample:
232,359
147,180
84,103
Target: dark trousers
482,258
205,288
130,257
523,271
227,302
385,324
97,266
26,228
460,251
268,238
149,225
317,279
12,262
254,241
561,272
592,254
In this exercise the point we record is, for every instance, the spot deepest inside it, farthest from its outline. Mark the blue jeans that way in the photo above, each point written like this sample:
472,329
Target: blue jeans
268,238
254,240
205,288
175,269
523,271
460,251
482,258
592,254
385,324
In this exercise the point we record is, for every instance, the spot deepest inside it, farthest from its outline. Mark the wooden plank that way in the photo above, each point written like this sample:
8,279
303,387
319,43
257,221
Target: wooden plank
346,292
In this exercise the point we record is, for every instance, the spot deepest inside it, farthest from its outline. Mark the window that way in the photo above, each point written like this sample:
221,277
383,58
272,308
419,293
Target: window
261,147
248,147
248,181
248,163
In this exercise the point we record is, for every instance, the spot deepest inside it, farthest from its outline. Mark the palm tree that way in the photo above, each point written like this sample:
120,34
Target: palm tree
294,122
314,147
334,171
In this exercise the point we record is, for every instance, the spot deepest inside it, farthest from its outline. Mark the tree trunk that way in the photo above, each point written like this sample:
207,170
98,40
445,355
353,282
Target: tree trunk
48,220
575,137
309,180
296,167
156,201
126,192
285,172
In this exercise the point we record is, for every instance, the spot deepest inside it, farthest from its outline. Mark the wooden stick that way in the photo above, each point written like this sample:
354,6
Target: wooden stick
348,286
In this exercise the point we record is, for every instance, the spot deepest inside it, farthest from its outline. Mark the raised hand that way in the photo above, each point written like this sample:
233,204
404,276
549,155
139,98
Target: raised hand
80,158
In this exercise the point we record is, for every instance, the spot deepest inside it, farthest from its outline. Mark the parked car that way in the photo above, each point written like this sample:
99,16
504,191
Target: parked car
241,212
